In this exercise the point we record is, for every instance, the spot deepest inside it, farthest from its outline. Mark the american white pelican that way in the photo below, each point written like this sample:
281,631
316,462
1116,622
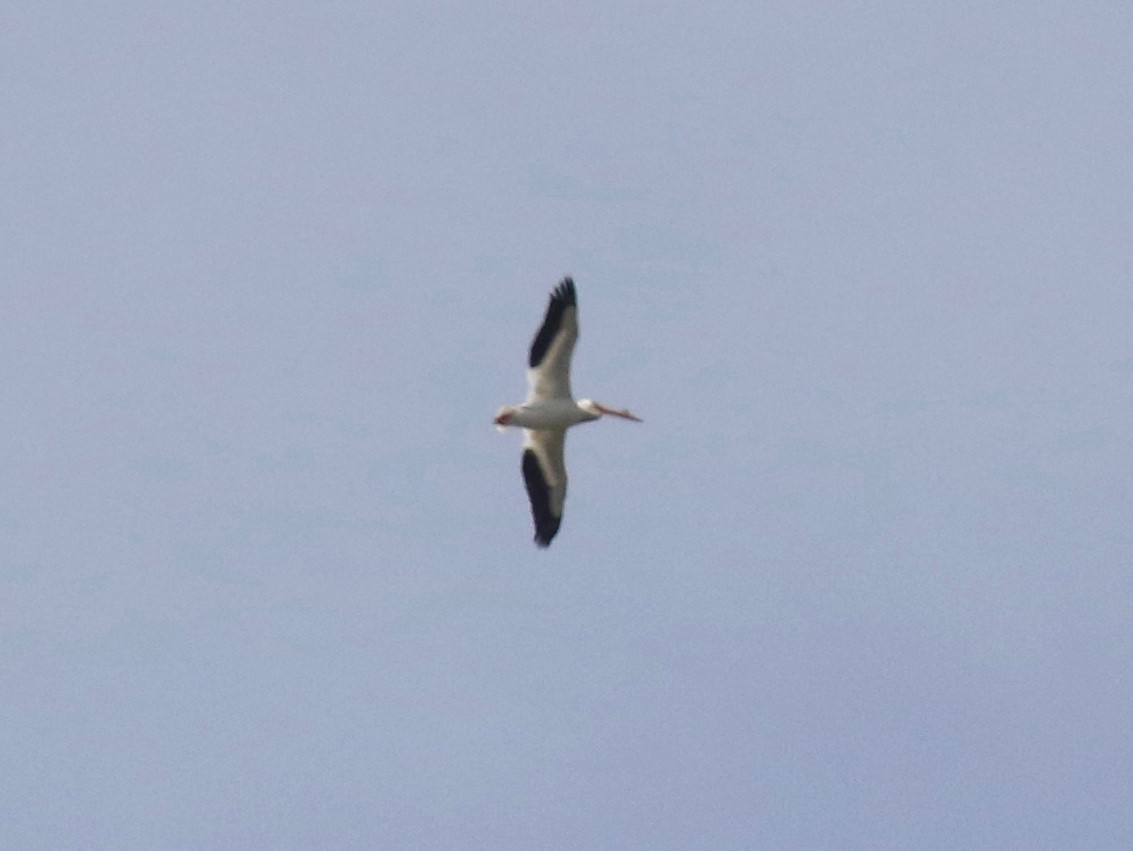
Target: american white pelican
550,410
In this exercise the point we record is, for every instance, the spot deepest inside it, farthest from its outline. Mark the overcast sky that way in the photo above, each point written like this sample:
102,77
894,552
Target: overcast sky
862,579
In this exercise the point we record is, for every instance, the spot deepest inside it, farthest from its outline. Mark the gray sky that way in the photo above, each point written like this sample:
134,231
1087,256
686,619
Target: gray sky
861,580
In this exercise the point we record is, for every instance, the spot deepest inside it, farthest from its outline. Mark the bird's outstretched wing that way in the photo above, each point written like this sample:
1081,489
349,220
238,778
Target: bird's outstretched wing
544,474
548,373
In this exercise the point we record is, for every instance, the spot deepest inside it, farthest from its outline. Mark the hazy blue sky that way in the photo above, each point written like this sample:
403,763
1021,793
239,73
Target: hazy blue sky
864,577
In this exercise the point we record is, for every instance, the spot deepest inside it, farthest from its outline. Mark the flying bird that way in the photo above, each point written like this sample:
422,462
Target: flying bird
550,410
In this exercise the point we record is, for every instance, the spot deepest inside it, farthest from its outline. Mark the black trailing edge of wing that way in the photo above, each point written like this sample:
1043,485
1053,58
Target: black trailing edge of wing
546,523
562,297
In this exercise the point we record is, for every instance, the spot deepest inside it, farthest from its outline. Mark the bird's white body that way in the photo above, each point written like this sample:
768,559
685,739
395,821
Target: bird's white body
550,410
551,413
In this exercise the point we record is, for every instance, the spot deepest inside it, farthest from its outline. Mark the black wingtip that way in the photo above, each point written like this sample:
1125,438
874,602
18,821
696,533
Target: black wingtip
562,297
565,291
546,523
